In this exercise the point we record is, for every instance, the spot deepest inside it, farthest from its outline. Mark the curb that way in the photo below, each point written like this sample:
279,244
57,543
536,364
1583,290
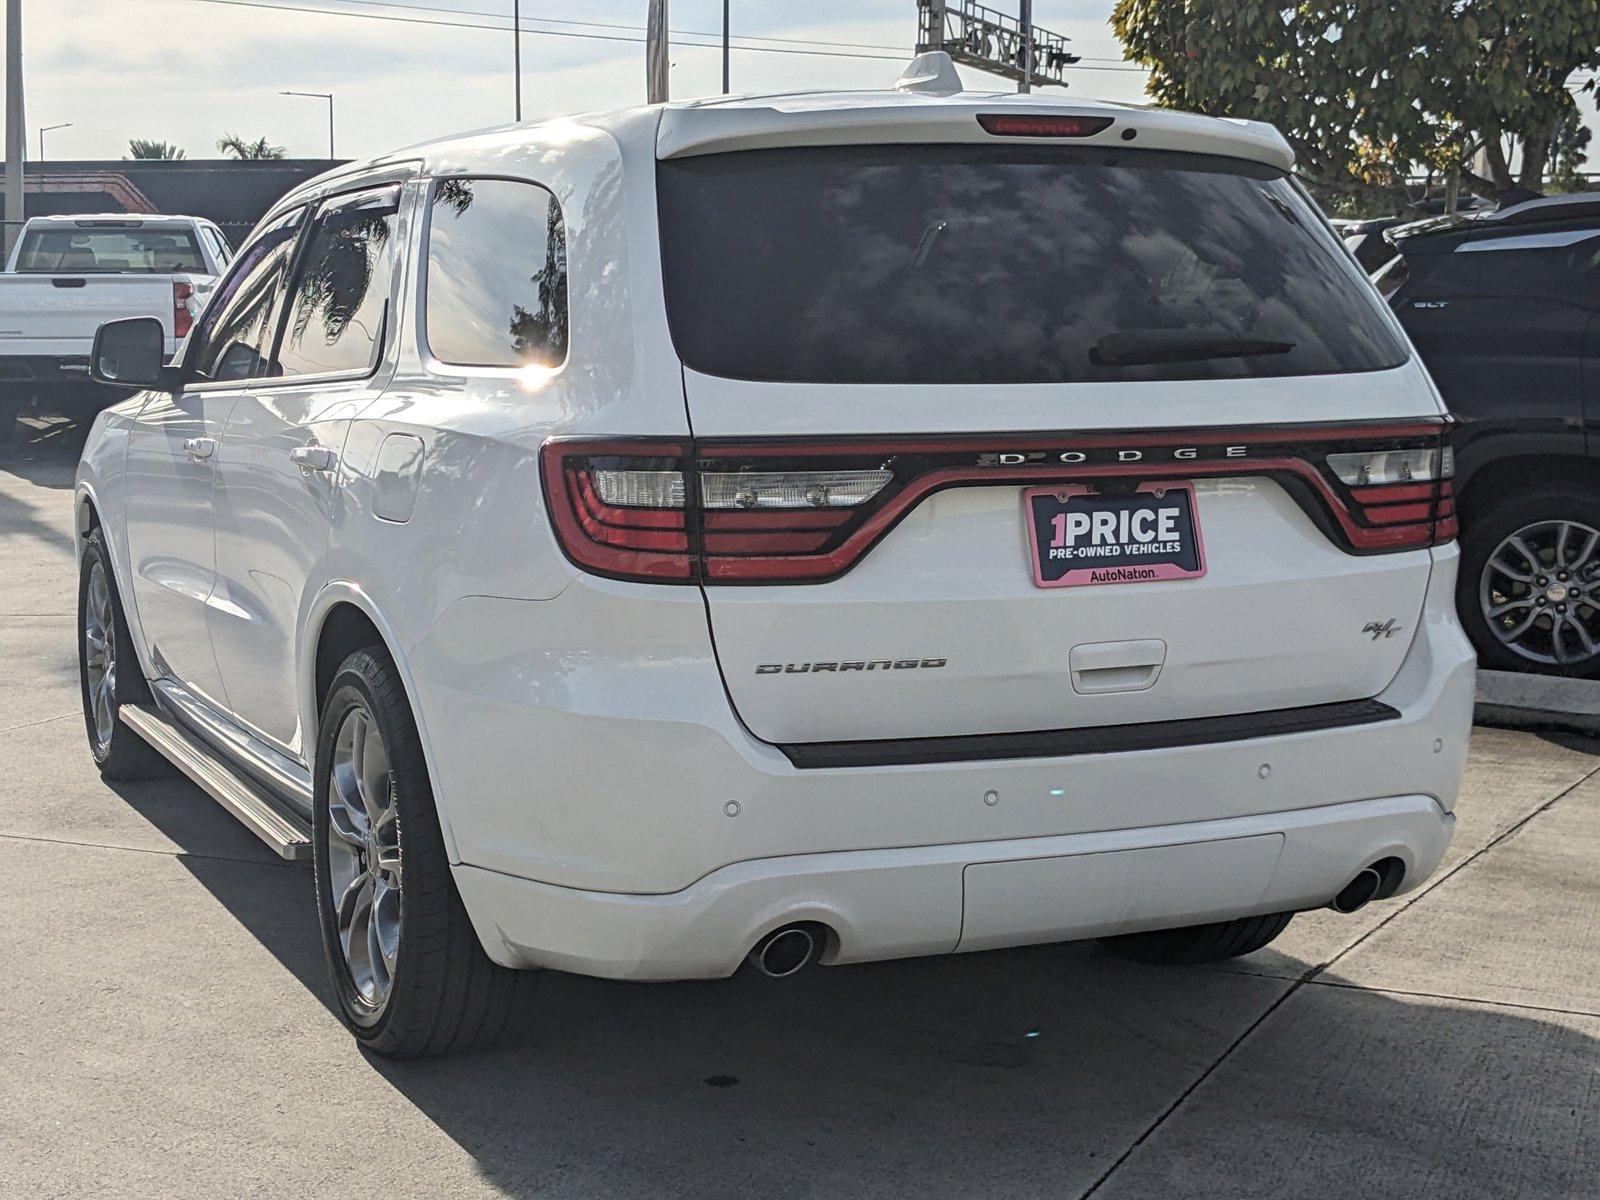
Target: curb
1519,701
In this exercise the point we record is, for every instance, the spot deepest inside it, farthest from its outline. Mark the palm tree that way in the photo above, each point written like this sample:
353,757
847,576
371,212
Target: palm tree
239,148
146,148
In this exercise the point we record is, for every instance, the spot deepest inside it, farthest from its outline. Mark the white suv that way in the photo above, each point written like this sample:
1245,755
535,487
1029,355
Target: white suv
808,528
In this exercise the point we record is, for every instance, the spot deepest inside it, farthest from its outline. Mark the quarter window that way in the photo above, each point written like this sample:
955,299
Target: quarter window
239,322
497,275
335,318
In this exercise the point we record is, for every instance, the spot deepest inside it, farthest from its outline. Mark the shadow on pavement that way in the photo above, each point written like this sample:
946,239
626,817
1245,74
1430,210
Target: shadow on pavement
1011,1073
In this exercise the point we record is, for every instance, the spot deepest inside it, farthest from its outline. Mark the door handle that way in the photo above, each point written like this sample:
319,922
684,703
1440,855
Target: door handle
200,447
312,458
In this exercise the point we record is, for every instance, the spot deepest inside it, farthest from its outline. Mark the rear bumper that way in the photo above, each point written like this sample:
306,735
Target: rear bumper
937,899
607,813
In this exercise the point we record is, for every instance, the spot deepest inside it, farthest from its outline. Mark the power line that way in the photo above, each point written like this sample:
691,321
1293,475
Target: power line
565,33
500,22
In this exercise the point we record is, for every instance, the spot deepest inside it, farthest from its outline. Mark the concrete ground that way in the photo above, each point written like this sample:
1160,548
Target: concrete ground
165,1026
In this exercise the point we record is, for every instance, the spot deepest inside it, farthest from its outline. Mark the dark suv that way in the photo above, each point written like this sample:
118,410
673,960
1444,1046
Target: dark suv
1505,310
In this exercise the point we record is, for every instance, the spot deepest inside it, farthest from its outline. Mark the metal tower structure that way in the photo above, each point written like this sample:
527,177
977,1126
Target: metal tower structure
979,36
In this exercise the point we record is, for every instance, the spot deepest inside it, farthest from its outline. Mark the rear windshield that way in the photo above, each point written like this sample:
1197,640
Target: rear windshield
982,264
108,251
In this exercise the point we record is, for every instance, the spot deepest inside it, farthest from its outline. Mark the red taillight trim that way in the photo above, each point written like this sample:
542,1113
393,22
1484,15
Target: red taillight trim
762,545
182,318
621,543
1024,125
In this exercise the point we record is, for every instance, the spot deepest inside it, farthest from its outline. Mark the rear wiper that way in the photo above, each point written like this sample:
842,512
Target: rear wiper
1139,347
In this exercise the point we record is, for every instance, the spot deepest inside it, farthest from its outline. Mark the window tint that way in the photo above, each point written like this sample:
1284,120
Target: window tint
497,274
341,291
239,321
991,264
89,251
1558,265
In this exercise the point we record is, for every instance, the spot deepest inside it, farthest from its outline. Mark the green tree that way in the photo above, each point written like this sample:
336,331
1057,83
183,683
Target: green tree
146,148
1569,146
234,145
1367,93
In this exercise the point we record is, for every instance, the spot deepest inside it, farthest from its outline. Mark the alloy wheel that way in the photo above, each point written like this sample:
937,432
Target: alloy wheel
100,658
1540,593
364,857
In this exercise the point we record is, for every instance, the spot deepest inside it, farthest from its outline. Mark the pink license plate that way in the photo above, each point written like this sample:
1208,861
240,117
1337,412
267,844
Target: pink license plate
1080,536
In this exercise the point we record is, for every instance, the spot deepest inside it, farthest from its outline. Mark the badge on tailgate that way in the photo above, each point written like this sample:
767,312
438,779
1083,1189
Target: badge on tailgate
1079,536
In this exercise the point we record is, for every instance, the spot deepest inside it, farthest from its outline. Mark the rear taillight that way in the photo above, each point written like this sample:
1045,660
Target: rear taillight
620,508
785,511
1408,493
182,309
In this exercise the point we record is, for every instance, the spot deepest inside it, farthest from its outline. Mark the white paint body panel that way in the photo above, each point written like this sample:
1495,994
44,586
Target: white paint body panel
583,751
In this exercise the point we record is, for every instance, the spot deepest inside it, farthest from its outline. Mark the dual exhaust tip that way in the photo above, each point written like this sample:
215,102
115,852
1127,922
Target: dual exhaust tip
787,951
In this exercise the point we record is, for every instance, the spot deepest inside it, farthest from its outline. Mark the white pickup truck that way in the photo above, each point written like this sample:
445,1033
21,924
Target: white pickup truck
69,274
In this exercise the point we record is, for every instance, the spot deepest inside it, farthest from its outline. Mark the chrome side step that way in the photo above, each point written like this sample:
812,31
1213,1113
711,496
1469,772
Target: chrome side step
286,833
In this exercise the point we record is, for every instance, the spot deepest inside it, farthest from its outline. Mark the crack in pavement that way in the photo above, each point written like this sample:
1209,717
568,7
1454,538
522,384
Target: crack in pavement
34,724
1310,976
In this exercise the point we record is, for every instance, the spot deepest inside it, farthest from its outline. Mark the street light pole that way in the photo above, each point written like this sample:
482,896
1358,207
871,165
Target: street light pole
725,47
44,129
328,96
16,129
516,52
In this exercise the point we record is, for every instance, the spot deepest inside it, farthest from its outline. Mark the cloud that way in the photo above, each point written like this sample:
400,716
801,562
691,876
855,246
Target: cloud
187,71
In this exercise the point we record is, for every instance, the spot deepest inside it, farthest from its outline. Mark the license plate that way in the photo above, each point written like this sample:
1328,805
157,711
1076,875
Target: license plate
1079,536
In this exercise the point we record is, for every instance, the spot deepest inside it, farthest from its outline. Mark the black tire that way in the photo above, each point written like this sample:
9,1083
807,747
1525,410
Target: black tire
122,755
1484,529
1200,943
445,995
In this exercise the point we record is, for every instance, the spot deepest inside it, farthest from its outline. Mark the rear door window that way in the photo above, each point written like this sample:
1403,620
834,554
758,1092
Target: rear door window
497,275
335,318
997,264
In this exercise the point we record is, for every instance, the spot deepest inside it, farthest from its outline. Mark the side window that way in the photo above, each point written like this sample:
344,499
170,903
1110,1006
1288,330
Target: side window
238,325
218,244
336,314
496,275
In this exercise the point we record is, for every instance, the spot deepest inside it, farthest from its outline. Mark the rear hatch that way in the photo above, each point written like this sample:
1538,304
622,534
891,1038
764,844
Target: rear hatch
993,438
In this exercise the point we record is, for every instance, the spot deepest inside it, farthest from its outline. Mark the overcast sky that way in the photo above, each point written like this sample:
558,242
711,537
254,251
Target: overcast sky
188,71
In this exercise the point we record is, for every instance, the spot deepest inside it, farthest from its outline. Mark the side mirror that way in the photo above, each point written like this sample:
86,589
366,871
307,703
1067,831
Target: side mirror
132,353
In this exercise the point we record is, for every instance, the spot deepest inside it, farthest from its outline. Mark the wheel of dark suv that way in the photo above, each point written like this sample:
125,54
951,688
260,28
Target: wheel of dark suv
411,978
1529,584
108,671
1200,943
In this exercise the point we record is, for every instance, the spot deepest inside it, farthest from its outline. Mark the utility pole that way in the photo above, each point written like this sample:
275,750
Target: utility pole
328,96
725,47
516,52
1025,19
16,129
657,62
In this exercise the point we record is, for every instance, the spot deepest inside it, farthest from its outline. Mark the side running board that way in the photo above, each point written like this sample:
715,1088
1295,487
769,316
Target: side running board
286,833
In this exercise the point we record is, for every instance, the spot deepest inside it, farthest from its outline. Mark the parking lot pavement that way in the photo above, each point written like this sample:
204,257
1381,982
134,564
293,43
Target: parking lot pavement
165,1029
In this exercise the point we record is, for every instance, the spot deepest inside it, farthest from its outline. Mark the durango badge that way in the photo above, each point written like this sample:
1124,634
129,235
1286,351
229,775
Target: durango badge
859,664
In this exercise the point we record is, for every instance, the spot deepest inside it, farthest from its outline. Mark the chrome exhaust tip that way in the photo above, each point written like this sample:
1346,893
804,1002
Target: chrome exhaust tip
785,952
1358,891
